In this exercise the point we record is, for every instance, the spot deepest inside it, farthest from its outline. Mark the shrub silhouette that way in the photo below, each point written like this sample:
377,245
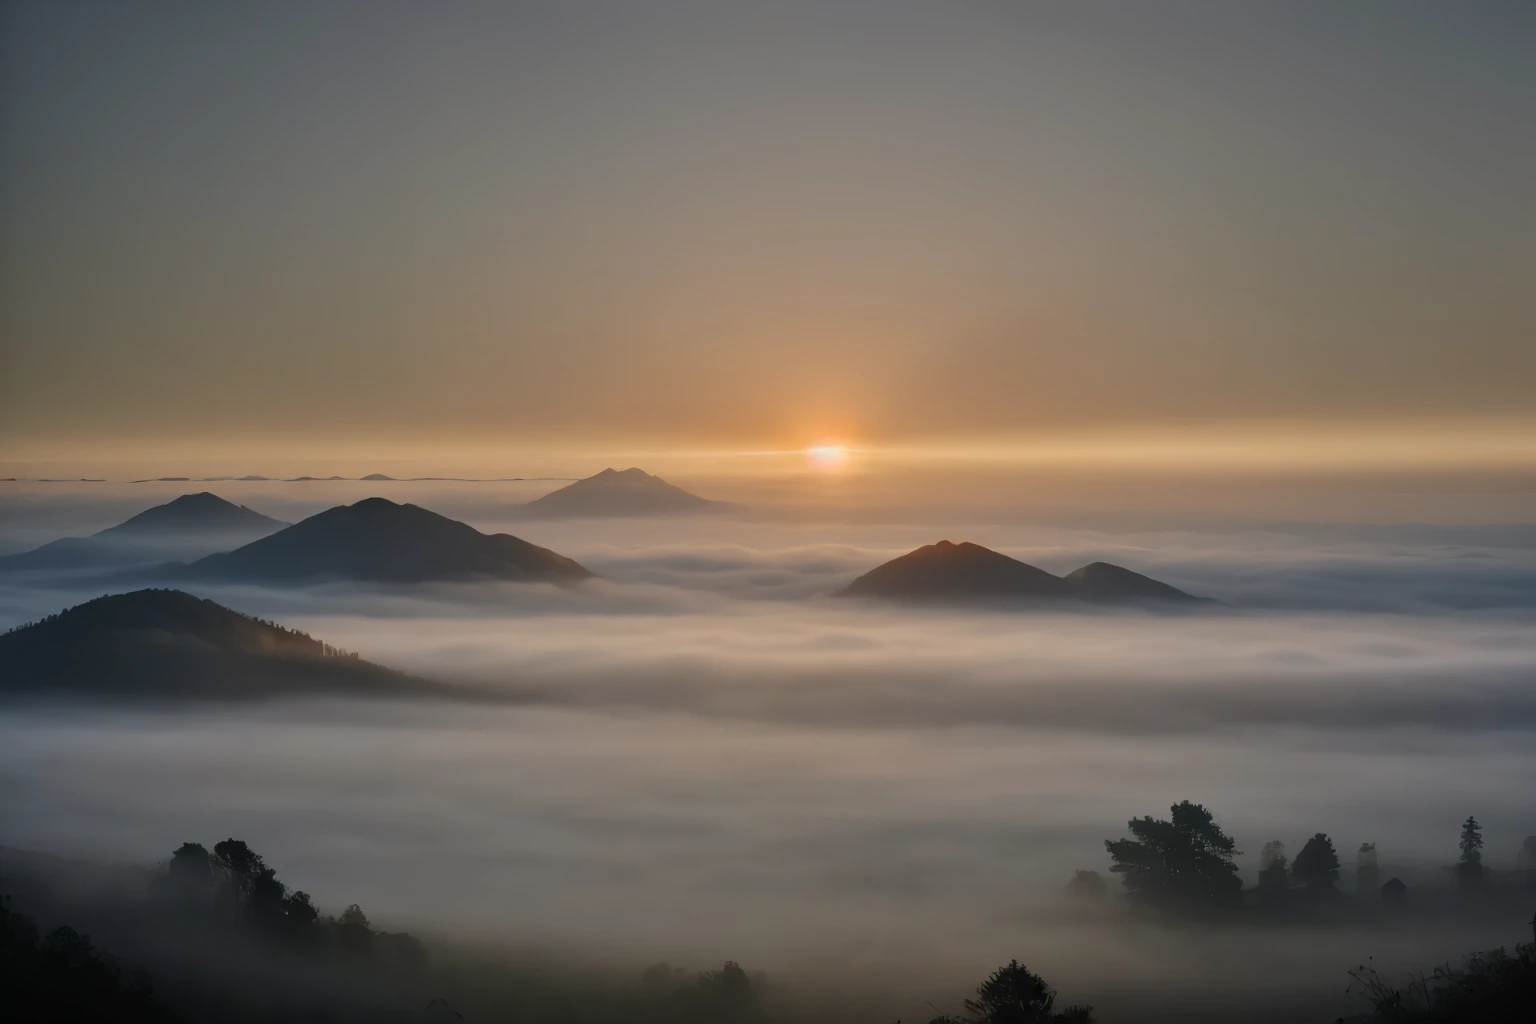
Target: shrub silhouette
1490,987
1015,995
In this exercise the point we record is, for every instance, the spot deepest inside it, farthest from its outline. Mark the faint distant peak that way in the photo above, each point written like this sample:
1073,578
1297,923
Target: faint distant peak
619,493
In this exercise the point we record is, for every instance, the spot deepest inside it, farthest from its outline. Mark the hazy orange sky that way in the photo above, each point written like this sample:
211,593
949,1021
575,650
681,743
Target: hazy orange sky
299,228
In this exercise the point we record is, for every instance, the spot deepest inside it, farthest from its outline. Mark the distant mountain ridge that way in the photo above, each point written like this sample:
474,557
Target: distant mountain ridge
967,572
376,540
202,520
615,493
171,643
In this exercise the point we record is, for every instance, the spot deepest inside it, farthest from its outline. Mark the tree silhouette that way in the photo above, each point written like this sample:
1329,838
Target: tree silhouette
353,930
1183,863
1317,865
1469,870
239,864
250,884
1015,995
62,976
296,919
191,872
730,983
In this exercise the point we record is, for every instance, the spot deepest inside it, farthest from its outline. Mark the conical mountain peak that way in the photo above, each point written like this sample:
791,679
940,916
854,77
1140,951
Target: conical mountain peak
618,493
201,511
948,572
379,540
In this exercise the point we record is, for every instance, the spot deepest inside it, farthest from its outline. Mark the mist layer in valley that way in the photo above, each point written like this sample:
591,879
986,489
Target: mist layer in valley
704,755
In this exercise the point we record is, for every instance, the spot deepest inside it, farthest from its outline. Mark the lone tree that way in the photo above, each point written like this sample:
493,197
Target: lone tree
1317,865
1469,870
1181,864
1015,995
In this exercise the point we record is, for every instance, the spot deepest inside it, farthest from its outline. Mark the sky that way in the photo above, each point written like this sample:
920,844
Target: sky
292,229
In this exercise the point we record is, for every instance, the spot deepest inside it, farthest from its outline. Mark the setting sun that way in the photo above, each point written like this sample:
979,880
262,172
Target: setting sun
827,456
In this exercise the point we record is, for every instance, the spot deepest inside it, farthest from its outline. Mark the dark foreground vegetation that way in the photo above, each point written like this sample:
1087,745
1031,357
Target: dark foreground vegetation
1492,986
215,935
61,976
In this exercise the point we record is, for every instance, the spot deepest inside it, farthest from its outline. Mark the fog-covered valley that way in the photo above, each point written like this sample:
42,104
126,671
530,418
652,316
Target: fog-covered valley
704,754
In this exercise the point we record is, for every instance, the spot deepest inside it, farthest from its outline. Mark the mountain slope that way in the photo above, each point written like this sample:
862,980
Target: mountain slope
190,526
202,511
377,540
618,493
967,572
170,643
1108,583
946,571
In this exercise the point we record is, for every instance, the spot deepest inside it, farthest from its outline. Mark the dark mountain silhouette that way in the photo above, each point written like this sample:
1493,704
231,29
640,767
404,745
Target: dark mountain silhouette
379,541
1104,582
203,511
170,643
619,493
190,526
966,572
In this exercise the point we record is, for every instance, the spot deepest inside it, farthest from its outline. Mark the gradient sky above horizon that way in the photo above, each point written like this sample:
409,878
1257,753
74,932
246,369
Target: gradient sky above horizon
771,224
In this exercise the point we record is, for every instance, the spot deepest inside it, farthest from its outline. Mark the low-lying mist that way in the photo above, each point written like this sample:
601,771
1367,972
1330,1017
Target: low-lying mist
907,859
704,756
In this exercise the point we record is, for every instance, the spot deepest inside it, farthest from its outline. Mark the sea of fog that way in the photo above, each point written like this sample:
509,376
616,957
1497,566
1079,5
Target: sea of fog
704,755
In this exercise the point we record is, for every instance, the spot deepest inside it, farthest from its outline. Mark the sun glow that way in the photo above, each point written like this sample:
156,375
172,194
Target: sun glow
827,456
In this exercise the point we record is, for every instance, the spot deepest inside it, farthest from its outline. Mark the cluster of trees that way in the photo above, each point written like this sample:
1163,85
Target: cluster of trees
1187,863
723,995
234,884
222,901
35,622
62,976
1315,870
